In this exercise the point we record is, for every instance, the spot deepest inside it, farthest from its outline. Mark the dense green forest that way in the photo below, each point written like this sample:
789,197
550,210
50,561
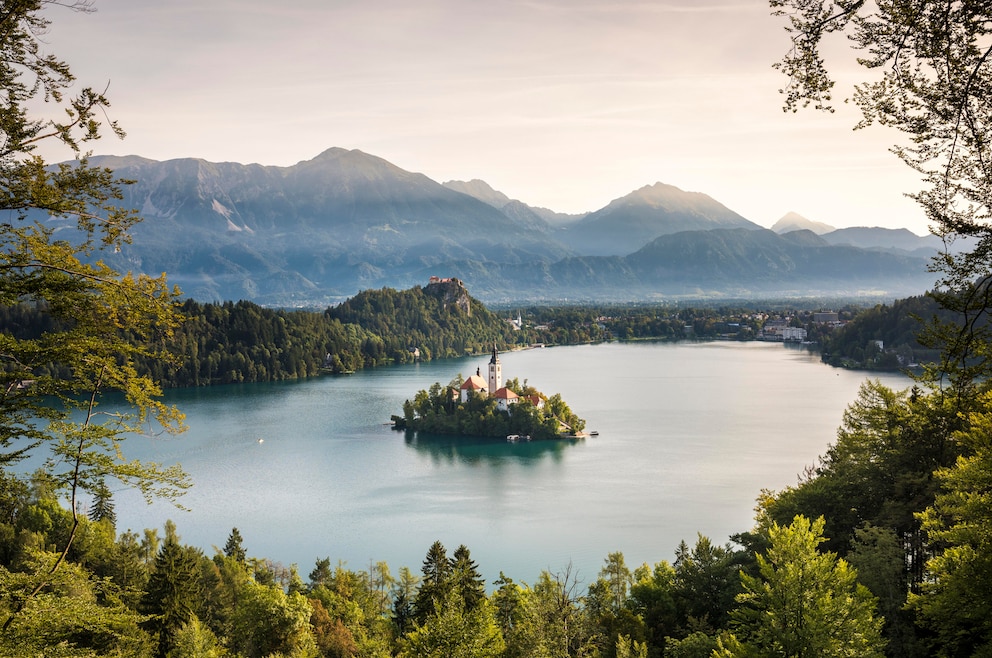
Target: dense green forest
142,595
242,342
897,326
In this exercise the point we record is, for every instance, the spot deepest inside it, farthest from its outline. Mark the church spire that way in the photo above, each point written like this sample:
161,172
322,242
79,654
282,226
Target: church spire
495,372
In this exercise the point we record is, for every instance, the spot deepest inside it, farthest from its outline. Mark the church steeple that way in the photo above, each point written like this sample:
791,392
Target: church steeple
495,372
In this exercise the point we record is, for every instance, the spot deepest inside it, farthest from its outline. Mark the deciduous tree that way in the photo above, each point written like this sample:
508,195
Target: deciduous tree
267,621
803,602
100,320
928,75
75,615
452,631
955,601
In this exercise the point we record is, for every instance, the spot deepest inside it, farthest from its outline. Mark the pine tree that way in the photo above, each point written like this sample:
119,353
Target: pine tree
466,579
173,592
404,595
234,548
321,574
103,505
436,582
402,613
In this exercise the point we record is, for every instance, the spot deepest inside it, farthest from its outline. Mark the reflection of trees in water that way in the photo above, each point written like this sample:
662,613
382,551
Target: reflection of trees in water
474,451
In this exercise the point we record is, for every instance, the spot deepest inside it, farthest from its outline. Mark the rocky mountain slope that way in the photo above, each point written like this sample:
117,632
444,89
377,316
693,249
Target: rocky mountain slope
323,229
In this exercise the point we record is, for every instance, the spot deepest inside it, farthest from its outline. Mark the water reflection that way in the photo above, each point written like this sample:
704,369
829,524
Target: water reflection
444,449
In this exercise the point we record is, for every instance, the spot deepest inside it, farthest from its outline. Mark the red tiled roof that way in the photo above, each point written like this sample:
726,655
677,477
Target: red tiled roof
475,382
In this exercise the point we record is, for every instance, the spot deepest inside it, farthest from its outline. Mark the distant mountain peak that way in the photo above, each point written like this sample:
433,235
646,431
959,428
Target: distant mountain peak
633,220
479,189
336,152
349,157
658,195
660,190
795,222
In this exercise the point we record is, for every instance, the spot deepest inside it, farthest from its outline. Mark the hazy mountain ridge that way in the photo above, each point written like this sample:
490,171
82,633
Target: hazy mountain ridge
322,229
628,223
340,222
897,240
883,238
527,215
795,222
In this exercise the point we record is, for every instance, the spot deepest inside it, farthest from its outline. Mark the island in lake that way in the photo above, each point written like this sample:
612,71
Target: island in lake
480,406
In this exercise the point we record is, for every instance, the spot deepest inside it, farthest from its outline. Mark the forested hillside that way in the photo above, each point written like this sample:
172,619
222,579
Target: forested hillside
897,326
243,342
441,319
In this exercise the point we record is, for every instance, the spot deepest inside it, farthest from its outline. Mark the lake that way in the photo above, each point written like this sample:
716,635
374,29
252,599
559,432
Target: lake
689,434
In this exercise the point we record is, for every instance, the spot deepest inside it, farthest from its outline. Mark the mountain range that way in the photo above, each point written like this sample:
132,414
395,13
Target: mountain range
321,230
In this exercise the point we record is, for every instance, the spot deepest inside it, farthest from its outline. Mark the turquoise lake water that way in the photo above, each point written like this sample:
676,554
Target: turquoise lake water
689,434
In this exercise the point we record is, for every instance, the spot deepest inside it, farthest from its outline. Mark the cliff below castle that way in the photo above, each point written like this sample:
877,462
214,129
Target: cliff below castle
451,292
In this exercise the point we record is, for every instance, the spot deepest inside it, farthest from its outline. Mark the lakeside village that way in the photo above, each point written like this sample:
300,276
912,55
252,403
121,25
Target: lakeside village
757,325
485,407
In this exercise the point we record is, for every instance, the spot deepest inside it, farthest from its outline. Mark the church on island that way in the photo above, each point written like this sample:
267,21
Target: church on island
482,406
494,386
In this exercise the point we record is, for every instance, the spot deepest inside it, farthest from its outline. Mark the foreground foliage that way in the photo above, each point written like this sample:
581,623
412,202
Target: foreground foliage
900,501
803,602
927,76
100,324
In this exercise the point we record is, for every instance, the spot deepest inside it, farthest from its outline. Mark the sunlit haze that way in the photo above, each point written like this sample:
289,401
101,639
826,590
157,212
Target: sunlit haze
565,104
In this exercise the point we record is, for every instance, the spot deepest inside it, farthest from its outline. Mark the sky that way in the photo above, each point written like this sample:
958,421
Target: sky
563,104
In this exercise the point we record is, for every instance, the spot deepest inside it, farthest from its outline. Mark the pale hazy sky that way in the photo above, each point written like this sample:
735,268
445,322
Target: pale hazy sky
565,104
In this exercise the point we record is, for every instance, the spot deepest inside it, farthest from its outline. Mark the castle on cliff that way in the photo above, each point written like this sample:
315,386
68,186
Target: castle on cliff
451,292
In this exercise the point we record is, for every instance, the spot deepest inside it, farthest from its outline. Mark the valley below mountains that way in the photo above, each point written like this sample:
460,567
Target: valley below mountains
319,231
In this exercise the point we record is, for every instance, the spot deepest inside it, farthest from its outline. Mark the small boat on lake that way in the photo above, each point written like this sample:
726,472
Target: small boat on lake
513,438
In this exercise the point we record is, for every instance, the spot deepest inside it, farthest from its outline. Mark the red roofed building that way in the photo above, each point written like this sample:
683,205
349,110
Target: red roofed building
475,384
504,398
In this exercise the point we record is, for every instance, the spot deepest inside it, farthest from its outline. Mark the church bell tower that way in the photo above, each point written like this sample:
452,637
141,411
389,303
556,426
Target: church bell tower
495,372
